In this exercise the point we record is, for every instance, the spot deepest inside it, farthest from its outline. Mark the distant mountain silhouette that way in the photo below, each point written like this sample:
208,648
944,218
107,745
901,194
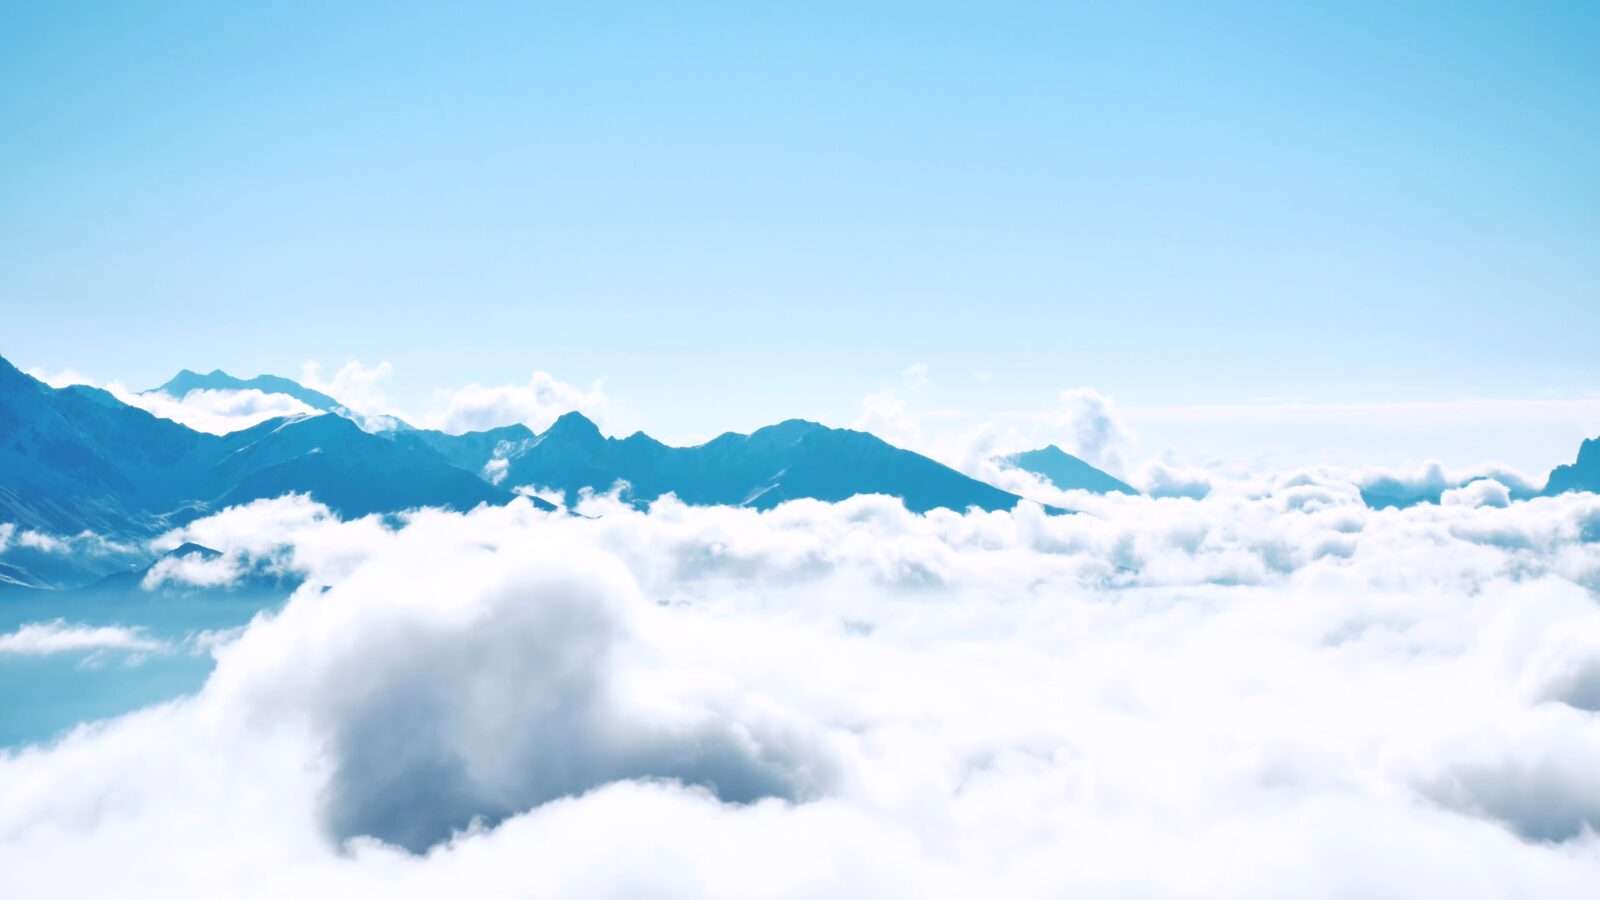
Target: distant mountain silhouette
217,380
789,460
75,459
1582,475
127,582
1066,472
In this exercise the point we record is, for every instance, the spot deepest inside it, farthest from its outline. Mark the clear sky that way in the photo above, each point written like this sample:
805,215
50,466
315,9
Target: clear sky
737,215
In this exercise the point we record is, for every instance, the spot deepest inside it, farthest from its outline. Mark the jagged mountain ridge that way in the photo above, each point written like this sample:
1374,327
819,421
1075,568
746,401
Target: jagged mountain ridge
78,459
790,460
75,459
186,380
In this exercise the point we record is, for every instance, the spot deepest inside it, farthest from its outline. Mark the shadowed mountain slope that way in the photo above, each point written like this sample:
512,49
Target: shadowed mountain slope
75,459
1581,475
789,460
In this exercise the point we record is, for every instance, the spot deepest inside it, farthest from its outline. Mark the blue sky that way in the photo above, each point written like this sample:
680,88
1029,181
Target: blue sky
733,216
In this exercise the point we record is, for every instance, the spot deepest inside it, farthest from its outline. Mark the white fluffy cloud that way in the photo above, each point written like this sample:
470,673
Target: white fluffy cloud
1082,422
1267,692
355,384
216,412
535,404
359,389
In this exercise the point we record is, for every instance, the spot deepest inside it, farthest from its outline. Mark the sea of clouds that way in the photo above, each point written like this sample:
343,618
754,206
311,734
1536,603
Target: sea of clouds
1273,691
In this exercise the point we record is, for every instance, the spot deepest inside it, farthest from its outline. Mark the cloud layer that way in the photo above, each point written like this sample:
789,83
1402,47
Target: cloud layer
1267,692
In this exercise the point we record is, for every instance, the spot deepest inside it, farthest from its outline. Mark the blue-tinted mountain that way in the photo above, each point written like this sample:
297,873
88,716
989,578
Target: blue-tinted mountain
473,450
791,460
75,459
128,580
1581,475
217,380
1066,472
339,464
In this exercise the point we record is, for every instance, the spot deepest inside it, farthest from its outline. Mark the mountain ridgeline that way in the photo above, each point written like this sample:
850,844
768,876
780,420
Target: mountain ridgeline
787,461
76,459
186,381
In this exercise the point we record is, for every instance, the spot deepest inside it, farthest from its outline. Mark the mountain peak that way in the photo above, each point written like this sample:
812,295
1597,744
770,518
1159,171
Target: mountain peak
190,548
1065,471
573,426
785,432
1583,474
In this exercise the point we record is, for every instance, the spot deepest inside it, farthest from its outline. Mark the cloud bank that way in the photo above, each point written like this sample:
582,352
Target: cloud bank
1268,692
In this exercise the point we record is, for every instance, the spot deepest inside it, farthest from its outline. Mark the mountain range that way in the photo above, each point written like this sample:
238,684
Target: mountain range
787,461
76,459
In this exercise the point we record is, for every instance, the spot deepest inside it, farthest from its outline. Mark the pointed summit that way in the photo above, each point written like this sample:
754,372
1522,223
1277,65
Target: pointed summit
1066,472
791,460
574,427
190,548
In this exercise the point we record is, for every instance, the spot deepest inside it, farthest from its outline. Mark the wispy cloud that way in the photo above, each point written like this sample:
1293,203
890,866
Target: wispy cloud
60,636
